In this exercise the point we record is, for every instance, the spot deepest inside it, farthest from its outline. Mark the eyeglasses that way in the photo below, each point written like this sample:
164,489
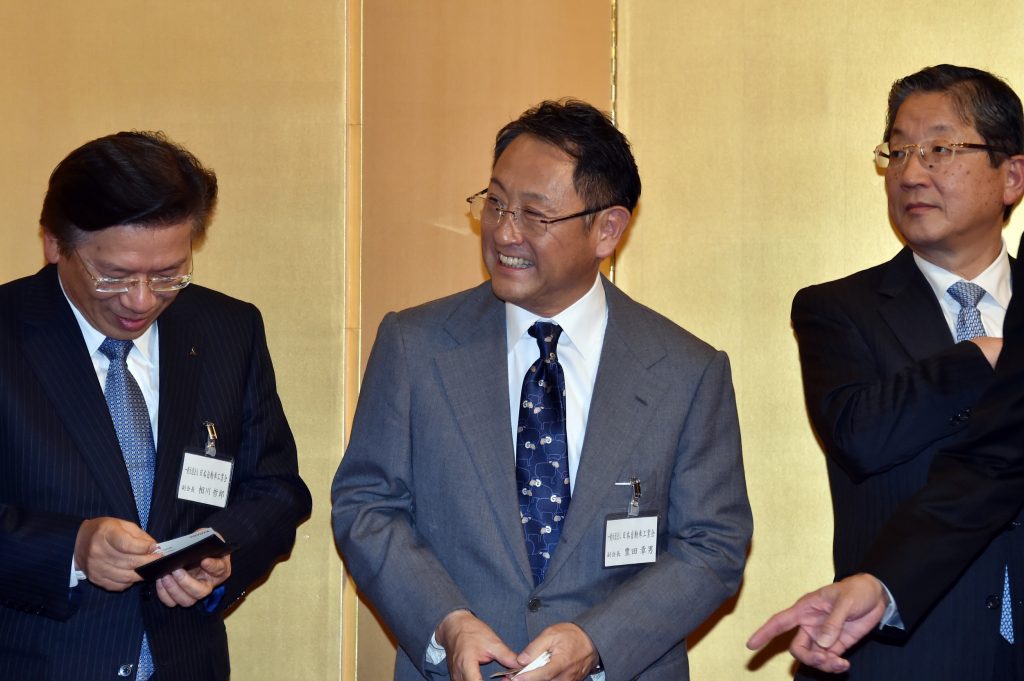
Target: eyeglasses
933,154
488,210
155,284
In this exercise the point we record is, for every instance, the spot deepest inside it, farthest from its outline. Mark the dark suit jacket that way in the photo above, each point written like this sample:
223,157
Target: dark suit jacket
426,513
975,489
886,388
61,464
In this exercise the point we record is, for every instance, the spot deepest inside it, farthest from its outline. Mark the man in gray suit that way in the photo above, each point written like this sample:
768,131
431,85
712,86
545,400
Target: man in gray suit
599,522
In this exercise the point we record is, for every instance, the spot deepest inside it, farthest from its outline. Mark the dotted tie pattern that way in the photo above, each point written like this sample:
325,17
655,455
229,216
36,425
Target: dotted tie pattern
135,435
542,460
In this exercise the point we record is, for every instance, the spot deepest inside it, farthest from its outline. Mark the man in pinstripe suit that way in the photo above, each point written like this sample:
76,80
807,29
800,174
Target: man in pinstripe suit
118,221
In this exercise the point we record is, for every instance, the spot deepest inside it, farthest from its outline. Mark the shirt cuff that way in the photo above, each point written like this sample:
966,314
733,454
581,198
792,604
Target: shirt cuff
435,653
76,575
891,616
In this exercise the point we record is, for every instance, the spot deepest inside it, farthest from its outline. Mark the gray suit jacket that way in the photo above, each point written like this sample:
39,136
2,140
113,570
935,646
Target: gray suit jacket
426,513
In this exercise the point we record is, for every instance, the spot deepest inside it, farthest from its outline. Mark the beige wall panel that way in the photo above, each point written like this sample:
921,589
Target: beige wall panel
440,78
256,90
753,124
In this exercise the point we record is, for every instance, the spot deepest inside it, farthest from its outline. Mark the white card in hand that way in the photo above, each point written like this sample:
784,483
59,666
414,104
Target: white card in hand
539,662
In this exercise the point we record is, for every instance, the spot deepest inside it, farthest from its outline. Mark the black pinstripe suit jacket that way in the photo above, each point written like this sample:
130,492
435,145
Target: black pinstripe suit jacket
60,463
886,388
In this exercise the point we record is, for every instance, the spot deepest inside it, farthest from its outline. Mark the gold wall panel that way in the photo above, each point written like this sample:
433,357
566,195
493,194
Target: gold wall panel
439,80
256,91
753,125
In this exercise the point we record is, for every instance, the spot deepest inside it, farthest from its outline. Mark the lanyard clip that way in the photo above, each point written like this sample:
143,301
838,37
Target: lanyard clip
211,438
633,510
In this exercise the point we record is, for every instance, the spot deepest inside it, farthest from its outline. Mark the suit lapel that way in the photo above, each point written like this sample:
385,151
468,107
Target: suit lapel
53,347
624,399
474,374
180,363
910,309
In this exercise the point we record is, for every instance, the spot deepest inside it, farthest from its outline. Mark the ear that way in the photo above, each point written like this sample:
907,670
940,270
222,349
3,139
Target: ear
1013,189
611,224
51,247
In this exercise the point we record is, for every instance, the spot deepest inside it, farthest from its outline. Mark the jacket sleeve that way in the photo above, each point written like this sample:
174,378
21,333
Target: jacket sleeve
974,489
374,509
870,421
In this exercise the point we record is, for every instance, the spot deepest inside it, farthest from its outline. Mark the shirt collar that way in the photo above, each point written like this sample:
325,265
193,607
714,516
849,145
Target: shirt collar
144,344
995,279
577,322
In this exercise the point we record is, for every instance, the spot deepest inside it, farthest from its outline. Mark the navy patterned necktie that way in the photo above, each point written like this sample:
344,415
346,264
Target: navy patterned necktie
968,326
135,435
542,459
968,320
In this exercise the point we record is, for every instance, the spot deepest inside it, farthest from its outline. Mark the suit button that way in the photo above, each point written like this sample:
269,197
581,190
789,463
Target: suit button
147,592
960,417
534,604
125,670
993,602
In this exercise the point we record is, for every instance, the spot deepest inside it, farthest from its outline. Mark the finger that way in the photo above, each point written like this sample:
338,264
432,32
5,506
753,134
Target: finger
161,593
181,590
777,624
828,633
131,540
217,569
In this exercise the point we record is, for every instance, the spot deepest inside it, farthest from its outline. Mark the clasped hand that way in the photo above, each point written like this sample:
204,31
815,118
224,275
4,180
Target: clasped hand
108,550
469,643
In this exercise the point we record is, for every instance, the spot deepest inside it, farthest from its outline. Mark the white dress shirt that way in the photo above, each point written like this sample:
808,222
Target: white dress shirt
143,364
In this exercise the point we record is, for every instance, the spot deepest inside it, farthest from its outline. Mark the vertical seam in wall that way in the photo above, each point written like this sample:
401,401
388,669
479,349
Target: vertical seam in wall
352,301
613,67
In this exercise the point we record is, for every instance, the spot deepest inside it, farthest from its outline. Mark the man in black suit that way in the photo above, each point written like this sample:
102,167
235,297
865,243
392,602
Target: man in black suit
93,442
895,357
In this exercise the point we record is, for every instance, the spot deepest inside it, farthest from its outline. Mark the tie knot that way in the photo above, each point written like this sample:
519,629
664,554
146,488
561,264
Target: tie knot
116,350
966,293
547,334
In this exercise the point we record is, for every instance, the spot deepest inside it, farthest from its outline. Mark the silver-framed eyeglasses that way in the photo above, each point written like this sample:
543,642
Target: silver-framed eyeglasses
155,284
488,209
933,154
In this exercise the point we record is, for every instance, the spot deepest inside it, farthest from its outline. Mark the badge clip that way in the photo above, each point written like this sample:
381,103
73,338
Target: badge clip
211,439
633,510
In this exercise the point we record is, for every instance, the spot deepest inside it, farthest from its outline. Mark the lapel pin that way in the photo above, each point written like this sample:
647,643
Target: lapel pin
194,352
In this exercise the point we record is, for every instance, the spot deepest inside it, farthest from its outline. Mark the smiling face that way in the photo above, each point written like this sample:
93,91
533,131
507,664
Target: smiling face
122,252
952,215
547,273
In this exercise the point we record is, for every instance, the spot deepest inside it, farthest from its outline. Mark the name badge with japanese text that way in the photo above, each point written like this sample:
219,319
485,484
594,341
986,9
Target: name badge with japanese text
630,540
205,479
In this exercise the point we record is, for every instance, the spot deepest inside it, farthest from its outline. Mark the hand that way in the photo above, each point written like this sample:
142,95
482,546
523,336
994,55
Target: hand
469,643
572,654
108,550
831,620
186,588
990,346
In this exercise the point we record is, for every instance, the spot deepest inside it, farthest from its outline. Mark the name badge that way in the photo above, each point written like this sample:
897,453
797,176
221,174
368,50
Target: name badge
630,540
204,479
